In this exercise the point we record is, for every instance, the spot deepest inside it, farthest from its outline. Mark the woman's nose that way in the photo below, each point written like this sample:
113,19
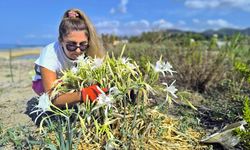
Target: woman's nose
78,50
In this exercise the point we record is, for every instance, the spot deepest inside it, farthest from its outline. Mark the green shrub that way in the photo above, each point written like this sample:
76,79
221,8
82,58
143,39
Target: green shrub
197,67
245,134
243,69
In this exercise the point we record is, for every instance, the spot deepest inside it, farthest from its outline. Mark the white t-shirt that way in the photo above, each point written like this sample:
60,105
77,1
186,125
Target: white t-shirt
53,58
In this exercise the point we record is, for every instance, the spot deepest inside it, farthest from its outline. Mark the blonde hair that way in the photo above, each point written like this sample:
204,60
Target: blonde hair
77,20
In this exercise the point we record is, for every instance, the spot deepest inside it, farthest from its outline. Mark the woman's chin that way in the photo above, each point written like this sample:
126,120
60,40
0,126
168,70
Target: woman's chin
73,57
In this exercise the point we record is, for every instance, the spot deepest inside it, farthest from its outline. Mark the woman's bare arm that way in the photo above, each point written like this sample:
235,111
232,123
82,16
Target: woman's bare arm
48,79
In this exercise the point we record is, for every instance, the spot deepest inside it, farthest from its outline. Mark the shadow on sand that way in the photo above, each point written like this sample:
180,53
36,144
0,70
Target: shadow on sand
36,117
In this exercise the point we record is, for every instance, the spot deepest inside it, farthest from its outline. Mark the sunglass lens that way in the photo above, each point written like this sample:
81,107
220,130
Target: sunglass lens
71,47
83,47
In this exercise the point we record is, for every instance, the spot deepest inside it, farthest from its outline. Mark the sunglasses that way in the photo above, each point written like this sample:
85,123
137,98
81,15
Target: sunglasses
73,46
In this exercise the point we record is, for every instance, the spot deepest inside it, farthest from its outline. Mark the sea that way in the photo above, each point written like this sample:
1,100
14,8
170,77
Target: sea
18,47
7,47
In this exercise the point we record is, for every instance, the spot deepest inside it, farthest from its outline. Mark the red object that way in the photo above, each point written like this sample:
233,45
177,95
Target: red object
92,93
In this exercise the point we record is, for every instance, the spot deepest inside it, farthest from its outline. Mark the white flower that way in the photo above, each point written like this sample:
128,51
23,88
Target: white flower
88,119
163,67
44,102
81,60
132,66
114,91
125,61
97,63
242,123
104,99
43,105
168,67
242,128
171,89
74,70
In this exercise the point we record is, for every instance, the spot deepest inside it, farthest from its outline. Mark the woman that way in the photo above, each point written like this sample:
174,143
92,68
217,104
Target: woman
76,36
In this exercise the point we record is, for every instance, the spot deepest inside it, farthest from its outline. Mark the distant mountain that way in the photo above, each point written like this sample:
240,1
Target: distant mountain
246,31
227,32
221,32
174,31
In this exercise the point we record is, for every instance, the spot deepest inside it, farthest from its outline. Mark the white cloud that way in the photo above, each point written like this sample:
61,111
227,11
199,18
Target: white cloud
108,27
196,20
131,27
143,24
112,10
201,25
220,23
108,24
121,8
162,24
202,3
212,4
181,22
138,26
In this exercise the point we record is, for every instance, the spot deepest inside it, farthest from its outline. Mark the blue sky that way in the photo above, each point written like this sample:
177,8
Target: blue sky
36,22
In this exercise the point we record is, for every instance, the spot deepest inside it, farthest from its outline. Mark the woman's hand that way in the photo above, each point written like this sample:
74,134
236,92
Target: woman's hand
92,92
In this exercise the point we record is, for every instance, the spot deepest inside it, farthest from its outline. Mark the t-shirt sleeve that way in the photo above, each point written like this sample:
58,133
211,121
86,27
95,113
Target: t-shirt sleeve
48,59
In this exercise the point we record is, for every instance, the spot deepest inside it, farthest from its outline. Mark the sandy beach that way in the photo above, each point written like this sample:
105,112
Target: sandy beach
15,91
15,53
